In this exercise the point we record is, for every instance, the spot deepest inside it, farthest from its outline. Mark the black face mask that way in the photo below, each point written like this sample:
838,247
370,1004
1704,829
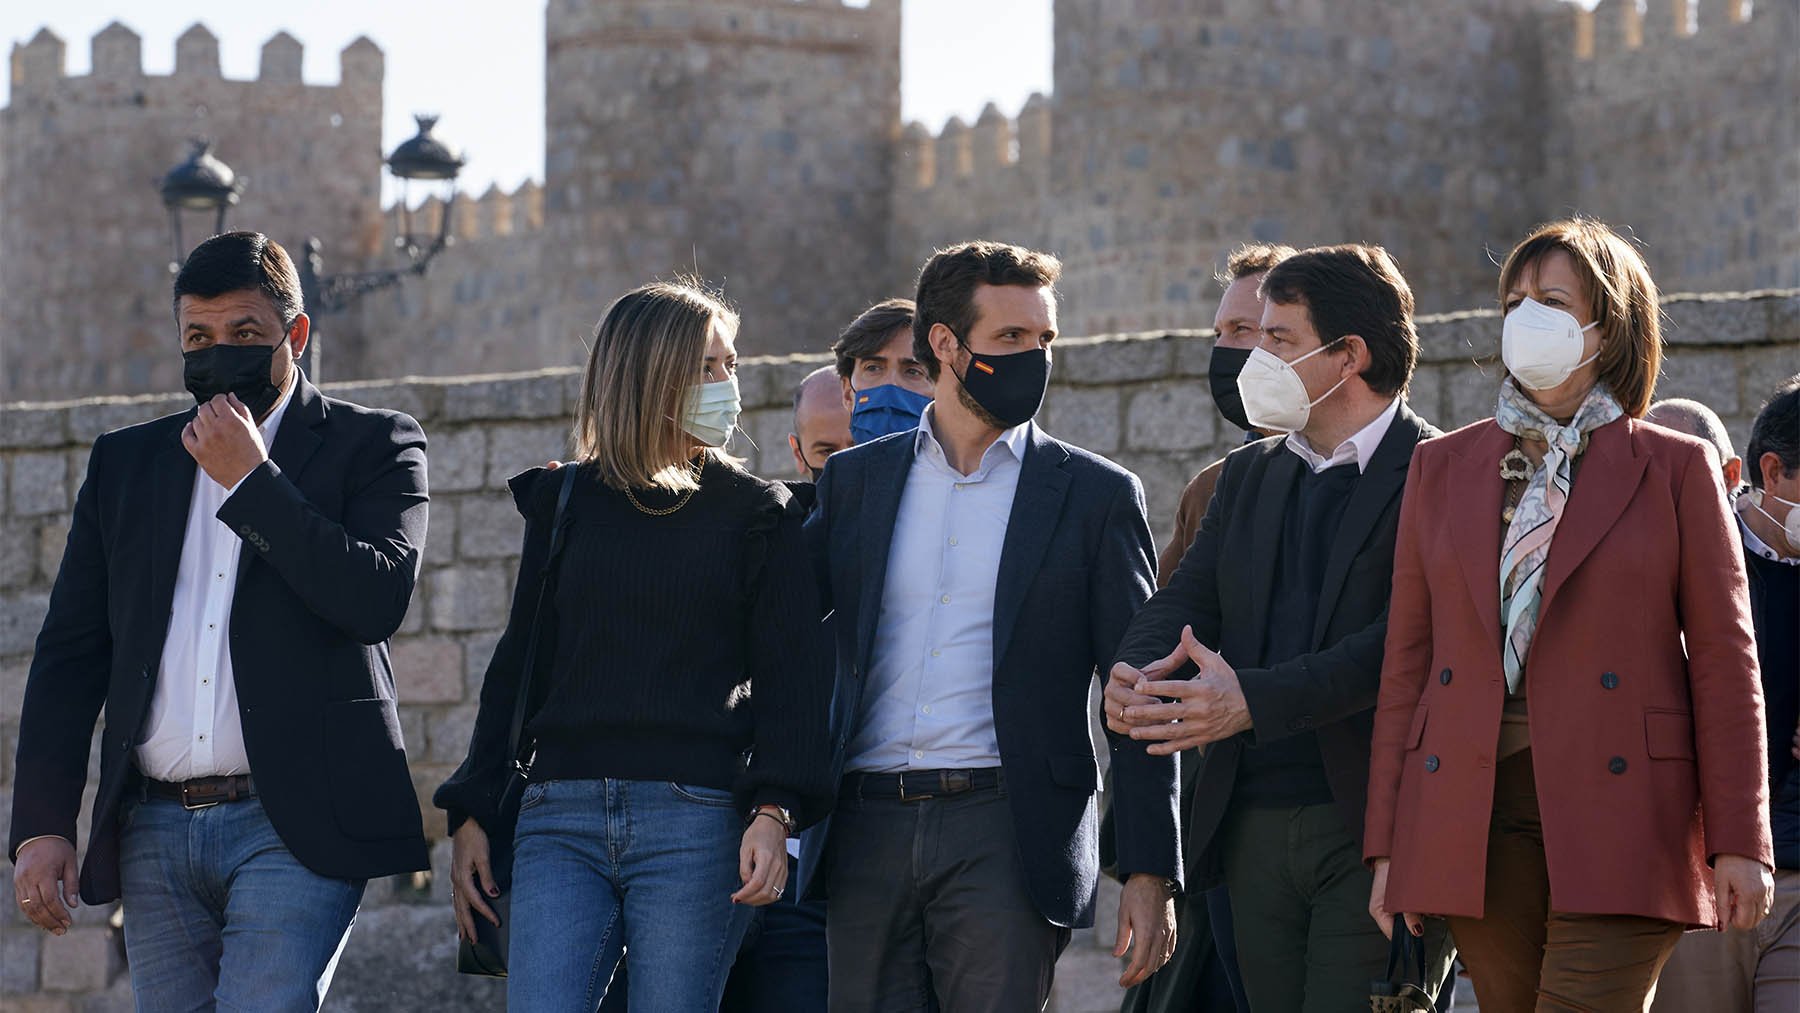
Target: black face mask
1008,387
232,369
1222,372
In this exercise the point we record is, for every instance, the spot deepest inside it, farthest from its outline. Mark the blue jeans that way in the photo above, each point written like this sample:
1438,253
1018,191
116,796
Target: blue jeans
604,865
220,915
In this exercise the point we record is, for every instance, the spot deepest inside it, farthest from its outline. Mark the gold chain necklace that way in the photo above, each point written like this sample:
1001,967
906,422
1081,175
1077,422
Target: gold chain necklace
697,470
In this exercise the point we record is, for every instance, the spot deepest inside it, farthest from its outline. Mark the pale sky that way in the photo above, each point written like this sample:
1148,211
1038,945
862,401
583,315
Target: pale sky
479,64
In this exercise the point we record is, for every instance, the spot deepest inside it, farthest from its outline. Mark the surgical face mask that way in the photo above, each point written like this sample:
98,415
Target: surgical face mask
1008,387
878,411
1222,373
713,410
1541,345
1274,396
1790,528
232,369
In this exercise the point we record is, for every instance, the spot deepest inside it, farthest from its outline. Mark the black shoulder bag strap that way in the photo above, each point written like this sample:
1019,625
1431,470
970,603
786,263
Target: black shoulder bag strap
517,748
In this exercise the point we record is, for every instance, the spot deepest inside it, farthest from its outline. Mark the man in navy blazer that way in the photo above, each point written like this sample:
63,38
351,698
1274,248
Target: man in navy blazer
231,578
979,573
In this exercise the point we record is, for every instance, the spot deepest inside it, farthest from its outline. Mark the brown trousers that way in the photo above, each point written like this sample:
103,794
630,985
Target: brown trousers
1525,957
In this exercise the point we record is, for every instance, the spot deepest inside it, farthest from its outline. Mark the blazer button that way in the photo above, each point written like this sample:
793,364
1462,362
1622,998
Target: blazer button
1616,765
1444,677
1431,764
1609,680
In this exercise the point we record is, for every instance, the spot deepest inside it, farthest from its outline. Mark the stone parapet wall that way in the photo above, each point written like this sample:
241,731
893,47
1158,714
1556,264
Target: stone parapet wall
1141,399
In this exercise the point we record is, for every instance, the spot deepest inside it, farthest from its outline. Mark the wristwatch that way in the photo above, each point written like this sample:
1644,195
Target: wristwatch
776,813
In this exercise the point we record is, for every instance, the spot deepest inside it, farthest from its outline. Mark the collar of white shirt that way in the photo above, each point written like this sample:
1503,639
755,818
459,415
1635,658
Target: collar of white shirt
1359,448
1015,439
1755,543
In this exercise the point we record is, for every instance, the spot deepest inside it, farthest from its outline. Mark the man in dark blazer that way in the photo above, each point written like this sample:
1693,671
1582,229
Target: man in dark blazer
979,572
231,578
1281,606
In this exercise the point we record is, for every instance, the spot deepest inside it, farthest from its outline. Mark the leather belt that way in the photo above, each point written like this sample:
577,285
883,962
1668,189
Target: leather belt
203,792
918,785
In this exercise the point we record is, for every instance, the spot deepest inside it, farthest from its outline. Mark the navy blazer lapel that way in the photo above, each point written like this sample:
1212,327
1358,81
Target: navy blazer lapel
883,482
1030,526
1269,508
172,493
1375,490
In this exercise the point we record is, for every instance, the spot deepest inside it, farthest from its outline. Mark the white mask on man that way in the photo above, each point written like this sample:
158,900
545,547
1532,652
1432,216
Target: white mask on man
1541,345
1274,395
1790,528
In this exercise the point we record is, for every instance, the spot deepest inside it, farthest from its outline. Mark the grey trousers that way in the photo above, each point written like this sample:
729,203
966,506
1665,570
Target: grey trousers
928,908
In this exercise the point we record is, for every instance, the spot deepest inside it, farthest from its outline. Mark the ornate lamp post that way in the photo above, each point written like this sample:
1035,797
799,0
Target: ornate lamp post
204,183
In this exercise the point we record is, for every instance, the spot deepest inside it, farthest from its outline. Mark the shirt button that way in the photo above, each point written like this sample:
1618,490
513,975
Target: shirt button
918,754
936,653
927,708
202,738
945,599
952,541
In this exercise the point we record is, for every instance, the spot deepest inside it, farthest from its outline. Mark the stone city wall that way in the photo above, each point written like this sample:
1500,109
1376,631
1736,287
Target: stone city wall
1139,398
84,282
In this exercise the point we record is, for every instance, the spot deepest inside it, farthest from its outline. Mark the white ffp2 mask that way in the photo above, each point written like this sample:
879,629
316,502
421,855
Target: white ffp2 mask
1274,395
1541,345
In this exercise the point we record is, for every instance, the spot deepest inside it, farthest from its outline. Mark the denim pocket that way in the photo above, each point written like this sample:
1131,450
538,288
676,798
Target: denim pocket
704,796
533,794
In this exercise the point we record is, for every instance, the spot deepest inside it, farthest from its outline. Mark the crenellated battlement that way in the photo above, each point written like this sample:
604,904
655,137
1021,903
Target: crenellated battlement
495,213
1615,28
995,147
40,66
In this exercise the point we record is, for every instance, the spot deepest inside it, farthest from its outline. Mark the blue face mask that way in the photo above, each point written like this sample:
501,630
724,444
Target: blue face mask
886,409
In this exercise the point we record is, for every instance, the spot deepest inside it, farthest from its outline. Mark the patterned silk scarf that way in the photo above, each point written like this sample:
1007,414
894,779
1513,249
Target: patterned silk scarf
1527,545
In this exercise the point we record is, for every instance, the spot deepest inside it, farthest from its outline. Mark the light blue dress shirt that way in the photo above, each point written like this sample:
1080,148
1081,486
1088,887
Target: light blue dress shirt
929,699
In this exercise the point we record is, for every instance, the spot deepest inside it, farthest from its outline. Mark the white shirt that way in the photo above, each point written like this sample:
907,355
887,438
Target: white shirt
929,700
193,729
1359,448
1752,541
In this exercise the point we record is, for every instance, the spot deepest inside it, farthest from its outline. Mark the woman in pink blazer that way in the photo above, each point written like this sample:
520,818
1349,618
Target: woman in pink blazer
1568,749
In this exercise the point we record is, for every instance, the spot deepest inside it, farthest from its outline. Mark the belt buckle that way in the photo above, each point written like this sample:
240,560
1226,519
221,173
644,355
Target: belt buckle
194,806
913,797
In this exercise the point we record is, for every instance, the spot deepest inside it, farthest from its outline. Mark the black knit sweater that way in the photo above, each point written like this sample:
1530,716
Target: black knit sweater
684,647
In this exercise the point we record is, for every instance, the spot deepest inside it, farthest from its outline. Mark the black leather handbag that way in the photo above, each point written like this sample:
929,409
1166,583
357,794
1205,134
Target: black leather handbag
1405,989
487,954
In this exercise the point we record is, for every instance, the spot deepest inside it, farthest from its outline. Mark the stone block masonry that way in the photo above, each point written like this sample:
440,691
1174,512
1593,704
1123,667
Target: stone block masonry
1138,398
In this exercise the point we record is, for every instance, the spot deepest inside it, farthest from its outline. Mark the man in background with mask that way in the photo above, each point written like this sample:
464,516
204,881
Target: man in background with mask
1280,604
1202,974
979,572
821,425
231,578
1757,969
885,387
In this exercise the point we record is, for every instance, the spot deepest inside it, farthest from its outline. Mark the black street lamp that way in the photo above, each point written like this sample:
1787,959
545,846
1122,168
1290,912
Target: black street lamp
202,183
207,184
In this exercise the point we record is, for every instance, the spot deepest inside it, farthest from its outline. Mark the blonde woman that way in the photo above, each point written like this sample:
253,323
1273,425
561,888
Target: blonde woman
659,799
1568,750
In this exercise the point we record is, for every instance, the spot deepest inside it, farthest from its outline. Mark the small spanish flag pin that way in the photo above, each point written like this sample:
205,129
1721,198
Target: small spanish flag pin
984,367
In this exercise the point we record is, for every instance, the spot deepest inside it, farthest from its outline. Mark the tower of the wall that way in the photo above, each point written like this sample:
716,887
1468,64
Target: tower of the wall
84,280
750,141
1679,122
1183,127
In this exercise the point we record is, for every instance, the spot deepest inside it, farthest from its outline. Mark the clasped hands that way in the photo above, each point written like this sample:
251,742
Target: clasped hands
1202,710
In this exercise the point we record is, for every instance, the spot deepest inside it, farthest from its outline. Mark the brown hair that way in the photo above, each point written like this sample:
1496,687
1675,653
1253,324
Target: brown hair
870,332
642,369
948,281
1354,289
1252,259
1624,301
